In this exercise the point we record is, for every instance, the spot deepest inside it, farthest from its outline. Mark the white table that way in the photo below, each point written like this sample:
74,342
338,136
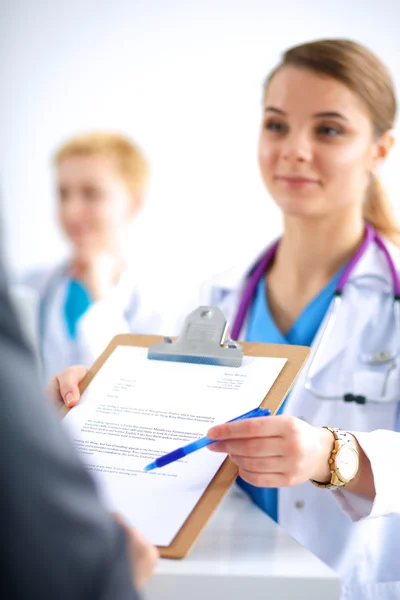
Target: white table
242,554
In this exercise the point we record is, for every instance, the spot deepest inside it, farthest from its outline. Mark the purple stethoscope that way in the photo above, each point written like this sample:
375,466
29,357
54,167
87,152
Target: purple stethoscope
383,357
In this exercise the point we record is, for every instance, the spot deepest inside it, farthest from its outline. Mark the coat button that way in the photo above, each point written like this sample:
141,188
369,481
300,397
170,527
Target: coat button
299,504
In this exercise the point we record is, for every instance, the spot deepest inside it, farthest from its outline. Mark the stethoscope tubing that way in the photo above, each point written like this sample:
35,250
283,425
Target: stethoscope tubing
261,267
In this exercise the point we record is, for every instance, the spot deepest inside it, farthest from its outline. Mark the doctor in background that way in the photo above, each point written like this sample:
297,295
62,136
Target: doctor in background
101,181
330,282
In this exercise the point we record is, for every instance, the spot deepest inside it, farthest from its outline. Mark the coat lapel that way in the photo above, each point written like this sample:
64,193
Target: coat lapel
361,300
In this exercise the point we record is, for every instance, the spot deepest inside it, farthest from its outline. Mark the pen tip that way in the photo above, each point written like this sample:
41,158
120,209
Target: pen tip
149,467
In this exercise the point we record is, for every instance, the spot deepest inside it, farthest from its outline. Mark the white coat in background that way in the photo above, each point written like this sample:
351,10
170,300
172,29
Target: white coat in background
126,309
358,538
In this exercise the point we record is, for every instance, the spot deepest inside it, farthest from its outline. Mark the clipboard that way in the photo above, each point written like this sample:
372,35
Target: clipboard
212,349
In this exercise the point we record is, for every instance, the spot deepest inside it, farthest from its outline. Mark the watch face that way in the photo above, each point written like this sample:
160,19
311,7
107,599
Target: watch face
347,462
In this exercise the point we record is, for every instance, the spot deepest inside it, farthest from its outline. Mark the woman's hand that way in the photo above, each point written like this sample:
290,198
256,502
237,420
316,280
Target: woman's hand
275,451
63,387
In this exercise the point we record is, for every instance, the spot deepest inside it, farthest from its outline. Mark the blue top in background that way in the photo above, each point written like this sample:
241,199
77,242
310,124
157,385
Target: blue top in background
77,301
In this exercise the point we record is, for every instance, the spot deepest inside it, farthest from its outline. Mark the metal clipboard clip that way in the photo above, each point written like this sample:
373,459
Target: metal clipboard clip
204,339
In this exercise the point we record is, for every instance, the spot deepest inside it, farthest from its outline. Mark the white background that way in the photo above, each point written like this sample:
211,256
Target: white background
184,80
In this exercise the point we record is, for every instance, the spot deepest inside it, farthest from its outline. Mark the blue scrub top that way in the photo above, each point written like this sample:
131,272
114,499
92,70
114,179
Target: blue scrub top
262,328
77,301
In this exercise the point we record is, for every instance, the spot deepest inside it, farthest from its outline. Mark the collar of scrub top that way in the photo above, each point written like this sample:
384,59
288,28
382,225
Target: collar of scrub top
262,266
56,279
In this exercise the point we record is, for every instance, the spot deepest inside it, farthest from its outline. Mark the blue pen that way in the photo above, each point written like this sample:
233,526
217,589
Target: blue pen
201,443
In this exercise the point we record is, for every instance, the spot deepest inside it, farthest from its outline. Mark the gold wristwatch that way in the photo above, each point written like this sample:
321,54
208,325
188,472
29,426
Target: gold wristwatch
343,462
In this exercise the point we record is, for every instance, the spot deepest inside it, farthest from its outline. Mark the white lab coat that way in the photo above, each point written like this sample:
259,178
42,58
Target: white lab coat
363,546
127,309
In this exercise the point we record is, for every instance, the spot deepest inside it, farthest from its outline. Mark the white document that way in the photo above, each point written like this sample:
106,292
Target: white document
136,410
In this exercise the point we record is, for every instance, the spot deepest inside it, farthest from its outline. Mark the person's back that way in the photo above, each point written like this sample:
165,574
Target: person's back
57,541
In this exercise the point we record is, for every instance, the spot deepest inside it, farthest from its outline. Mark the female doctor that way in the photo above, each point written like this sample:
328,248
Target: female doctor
331,282
101,181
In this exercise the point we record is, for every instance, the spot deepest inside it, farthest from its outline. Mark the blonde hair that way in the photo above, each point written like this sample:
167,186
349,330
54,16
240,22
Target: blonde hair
130,161
366,75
